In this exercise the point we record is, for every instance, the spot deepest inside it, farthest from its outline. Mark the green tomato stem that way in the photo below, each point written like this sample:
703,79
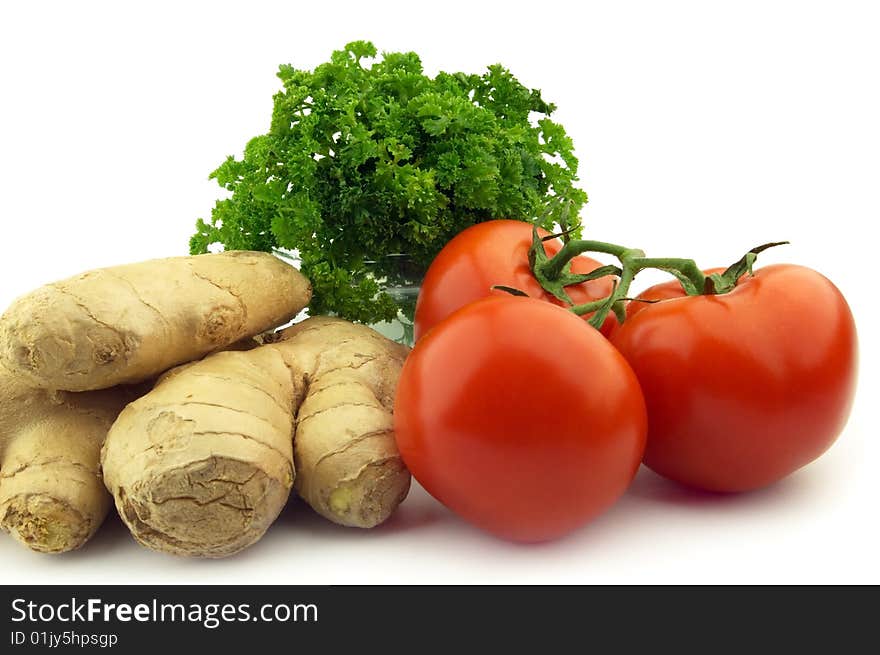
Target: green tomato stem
555,266
553,273
692,278
614,300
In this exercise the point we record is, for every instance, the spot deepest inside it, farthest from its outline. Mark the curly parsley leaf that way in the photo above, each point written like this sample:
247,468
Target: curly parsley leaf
367,160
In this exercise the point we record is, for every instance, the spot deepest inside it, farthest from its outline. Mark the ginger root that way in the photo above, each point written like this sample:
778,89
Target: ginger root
204,463
347,463
52,496
129,323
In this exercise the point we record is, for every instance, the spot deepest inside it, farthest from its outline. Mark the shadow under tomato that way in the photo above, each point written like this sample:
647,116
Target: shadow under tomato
651,487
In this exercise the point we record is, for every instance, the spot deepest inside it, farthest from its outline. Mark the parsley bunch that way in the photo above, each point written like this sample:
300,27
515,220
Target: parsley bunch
366,161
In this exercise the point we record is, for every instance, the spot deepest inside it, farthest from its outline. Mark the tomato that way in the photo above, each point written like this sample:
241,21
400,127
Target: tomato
495,253
746,387
520,418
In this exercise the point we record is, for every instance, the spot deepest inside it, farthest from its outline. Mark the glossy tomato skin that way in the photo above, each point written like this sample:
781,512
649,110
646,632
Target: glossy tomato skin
663,291
743,388
520,418
495,253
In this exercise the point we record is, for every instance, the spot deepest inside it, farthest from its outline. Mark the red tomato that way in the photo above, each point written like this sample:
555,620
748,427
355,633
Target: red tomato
746,387
520,418
495,253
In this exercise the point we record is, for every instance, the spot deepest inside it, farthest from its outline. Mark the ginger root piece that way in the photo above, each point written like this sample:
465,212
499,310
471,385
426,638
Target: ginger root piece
203,464
52,497
129,323
347,463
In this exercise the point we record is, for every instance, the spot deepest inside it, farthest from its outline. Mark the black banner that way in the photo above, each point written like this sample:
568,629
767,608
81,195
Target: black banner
409,619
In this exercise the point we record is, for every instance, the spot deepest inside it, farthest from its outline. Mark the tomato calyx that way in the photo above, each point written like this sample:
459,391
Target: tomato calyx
554,273
513,291
718,283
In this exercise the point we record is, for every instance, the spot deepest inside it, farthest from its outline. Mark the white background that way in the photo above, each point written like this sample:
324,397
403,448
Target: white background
703,129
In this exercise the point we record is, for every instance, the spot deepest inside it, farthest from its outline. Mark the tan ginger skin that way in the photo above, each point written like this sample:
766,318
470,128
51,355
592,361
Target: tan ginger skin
94,331
204,463
128,323
52,497
347,463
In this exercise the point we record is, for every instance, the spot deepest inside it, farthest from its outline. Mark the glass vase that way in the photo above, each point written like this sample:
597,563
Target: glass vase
401,279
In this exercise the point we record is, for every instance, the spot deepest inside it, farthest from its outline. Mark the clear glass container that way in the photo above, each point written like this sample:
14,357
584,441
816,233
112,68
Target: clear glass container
397,276
401,279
